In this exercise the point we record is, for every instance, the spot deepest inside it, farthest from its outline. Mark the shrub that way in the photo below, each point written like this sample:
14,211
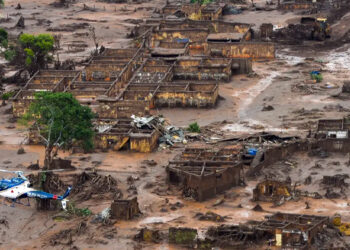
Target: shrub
6,96
10,54
3,37
317,77
194,128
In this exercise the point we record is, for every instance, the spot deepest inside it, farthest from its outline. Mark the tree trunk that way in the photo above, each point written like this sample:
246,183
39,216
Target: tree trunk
48,157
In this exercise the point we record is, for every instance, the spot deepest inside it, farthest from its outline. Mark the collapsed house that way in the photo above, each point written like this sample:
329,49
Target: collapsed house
333,134
125,209
270,190
280,191
215,38
205,172
43,80
139,134
117,134
295,231
291,5
196,11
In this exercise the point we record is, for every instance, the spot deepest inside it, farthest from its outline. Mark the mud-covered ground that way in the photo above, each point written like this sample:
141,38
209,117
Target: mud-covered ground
283,83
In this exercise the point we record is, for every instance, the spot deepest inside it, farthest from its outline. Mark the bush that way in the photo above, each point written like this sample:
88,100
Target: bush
10,54
6,96
81,212
194,128
3,37
317,77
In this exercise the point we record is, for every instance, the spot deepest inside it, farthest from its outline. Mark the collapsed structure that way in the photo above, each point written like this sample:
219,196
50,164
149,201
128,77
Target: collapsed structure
297,231
204,172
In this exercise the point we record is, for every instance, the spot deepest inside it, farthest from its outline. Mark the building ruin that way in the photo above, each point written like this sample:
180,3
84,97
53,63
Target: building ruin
205,172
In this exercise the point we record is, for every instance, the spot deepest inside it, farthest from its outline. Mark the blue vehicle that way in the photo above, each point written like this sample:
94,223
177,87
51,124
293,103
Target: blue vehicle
19,187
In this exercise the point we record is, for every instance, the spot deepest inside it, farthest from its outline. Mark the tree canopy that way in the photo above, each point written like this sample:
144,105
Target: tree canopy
37,49
61,122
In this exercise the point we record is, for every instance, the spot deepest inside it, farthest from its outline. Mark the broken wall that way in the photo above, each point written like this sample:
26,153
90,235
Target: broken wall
254,50
144,143
125,209
297,6
189,35
111,108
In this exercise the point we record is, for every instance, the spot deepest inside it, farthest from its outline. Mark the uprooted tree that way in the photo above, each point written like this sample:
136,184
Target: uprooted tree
61,122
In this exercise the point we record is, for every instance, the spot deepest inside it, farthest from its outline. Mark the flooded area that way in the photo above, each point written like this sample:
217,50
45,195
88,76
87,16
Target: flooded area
219,125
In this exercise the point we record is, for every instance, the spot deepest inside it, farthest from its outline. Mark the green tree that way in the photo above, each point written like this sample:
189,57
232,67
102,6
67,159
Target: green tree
2,4
3,38
37,50
61,122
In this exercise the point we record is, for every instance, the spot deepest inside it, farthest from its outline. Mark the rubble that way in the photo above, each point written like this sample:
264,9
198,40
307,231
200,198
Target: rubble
210,216
88,185
21,151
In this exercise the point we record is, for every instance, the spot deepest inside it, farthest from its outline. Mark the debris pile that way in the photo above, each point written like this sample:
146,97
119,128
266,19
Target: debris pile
210,216
169,134
88,185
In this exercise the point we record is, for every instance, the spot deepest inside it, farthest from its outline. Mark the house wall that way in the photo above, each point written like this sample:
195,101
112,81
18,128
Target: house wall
296,6
194,35
144,144
207,186
186,98
122,108
254,50
124,209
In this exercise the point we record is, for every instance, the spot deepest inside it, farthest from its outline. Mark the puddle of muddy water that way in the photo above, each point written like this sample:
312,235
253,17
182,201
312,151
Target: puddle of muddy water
289,59
338,60
154,220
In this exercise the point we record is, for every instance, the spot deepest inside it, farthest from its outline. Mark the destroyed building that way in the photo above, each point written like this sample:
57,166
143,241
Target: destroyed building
116,134
205,172
333,134
270,190
295,231
292,5
43,80
176,62
125,209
